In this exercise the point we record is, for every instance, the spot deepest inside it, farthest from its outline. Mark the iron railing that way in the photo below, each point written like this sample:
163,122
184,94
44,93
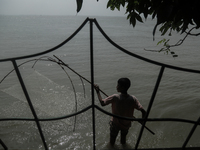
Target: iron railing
93,106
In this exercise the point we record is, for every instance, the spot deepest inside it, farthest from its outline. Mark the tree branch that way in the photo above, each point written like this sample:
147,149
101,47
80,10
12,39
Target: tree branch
166,46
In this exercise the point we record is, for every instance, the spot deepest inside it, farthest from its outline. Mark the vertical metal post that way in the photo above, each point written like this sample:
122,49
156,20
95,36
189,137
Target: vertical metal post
92,81
29,102
190,134
150,104
2,143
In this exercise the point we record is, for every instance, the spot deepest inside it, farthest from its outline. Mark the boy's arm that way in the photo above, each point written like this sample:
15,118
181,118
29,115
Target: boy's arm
99,95
143,113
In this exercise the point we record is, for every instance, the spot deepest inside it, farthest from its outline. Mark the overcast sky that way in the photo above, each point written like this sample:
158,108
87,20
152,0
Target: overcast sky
56,7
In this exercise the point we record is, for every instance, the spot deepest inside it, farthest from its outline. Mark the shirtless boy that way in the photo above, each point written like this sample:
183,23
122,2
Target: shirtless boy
123,104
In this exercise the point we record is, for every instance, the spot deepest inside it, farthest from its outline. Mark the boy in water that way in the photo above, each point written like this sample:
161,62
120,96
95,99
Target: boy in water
123,104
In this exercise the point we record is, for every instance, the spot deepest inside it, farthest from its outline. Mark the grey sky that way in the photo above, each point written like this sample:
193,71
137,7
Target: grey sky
56,7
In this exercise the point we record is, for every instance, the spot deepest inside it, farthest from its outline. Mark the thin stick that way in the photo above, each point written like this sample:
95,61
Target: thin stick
74,93
145,127
53,60
149,130
77,73
91,83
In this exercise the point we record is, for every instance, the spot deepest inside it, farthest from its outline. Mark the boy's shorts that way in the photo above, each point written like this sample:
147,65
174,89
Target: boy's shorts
114,130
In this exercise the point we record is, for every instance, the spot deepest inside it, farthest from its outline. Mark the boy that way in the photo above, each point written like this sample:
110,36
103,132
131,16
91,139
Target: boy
122,105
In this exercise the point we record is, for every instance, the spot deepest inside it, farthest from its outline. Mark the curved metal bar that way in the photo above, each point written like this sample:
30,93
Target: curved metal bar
191,133
148,119
149,61
107,113
140,57
52,49
93,106
47,119
68,116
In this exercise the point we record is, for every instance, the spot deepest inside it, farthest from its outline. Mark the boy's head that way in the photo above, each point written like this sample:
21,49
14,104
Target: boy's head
123,84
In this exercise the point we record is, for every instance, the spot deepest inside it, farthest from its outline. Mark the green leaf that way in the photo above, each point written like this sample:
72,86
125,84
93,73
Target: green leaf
118,6
165,30
79,5
138,18
123,3
154,14
133,21
160,42
162,28
184,27
109,4
165,43
172,53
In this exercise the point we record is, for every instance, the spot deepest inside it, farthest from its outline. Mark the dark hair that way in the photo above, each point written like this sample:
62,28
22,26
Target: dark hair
125,83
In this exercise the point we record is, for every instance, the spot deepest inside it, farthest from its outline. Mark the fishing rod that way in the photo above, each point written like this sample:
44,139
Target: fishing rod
64,64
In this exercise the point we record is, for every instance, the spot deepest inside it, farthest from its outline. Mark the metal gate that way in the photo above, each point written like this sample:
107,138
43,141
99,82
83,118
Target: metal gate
93,106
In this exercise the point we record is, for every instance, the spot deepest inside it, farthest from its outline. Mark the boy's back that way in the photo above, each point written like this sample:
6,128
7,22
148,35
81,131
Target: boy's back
123,105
